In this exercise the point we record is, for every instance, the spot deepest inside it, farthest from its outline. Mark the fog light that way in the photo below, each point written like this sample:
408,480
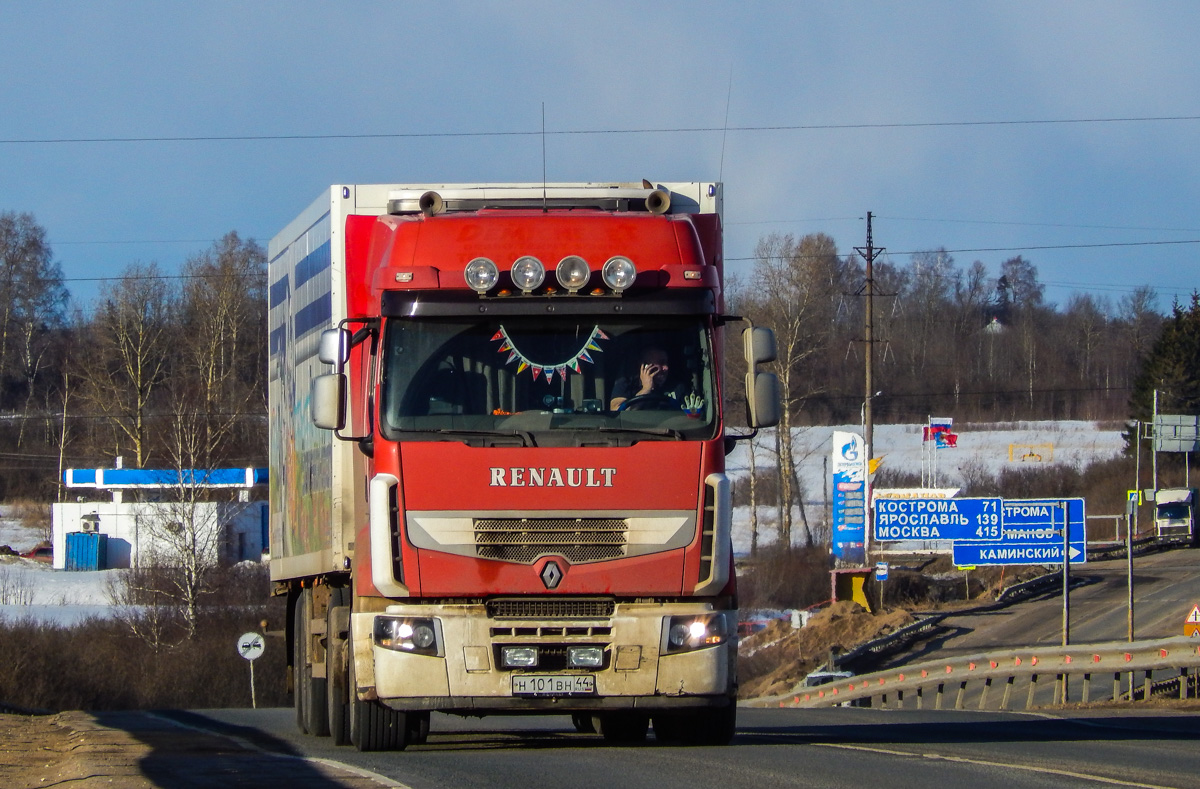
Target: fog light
619,273
572,273
585,657
528,273
481,275
519,657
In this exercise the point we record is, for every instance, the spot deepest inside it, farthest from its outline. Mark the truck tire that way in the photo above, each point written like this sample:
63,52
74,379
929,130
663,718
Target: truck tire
311,709
374,727
622,728
337,657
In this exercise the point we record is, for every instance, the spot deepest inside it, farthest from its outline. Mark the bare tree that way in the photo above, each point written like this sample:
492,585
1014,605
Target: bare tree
795,283
189,527
129,355
224,340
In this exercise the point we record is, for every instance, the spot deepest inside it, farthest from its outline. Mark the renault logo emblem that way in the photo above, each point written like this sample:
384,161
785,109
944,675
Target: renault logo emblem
552,575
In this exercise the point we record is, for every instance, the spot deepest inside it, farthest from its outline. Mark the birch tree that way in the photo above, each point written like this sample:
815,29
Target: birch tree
129,343
795,282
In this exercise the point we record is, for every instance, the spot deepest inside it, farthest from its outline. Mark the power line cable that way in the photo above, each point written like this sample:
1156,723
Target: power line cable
565,132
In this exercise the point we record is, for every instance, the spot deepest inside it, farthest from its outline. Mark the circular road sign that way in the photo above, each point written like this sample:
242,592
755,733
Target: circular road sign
250,645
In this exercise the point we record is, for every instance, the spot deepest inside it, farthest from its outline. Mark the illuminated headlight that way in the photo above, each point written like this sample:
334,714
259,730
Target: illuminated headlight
519,657
573,273
619,273
406,634
695,632
481,275
528,273
585,657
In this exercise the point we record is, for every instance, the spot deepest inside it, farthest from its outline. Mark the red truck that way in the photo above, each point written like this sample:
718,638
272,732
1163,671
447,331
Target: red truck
507,495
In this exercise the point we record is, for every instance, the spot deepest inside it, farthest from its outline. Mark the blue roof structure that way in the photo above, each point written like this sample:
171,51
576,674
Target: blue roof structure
117,478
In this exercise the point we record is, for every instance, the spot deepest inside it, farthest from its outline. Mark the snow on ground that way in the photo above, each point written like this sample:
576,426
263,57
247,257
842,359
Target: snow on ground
30,589
985,448
15,534
68,597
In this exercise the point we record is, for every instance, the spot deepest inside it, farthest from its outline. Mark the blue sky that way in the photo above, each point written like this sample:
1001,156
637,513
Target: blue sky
925,98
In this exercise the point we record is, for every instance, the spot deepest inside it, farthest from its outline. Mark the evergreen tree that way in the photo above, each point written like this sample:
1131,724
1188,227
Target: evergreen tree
1172,367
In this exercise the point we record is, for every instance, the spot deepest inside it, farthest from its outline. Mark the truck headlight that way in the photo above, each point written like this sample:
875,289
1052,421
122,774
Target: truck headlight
408,634
684,633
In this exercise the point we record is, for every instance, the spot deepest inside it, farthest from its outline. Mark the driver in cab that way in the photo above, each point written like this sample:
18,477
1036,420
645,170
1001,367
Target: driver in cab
649,388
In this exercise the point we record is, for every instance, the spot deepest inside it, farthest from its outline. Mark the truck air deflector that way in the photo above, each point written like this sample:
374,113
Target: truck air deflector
716,535
406,304
383,546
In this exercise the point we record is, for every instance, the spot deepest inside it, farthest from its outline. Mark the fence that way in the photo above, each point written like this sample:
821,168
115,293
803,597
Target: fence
1112,671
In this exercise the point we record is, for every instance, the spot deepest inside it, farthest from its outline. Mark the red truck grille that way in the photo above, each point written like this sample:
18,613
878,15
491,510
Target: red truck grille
524,540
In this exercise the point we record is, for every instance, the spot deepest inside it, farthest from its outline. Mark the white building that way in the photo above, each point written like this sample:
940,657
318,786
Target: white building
229,530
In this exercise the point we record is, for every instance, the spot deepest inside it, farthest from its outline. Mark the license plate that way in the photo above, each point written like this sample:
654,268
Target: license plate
553,684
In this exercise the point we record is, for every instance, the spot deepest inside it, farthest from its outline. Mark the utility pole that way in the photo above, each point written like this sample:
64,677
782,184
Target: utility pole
869,253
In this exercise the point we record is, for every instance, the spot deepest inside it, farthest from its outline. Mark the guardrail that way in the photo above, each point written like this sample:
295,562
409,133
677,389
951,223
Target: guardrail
1108,671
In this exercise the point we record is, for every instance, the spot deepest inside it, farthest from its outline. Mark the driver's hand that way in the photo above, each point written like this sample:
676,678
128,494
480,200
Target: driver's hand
646,375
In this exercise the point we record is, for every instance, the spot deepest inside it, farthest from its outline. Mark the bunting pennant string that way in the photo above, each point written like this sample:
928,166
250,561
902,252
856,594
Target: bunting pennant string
572,364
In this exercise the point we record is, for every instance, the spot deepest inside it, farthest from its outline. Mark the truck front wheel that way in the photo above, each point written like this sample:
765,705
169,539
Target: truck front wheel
374,727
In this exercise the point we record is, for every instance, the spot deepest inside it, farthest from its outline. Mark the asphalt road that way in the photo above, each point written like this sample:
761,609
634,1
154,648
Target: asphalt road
1166,586
851,747
832,748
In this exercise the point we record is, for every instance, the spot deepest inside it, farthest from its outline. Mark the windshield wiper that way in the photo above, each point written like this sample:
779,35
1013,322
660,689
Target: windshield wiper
666,432
525,436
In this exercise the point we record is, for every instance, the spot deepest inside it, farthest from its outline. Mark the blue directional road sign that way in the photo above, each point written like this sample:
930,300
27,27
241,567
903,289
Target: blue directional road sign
1032,534
937,519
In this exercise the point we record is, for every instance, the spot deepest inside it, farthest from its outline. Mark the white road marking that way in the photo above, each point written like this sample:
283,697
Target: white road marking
382,780
1005,765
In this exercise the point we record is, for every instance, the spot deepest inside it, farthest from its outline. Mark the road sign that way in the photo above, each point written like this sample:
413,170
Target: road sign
1032,534
1191,625
250,645
937,519
981,553
881,571
1042,519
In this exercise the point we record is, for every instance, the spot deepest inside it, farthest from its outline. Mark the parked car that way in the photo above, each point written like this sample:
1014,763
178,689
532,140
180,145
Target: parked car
822,677
44,552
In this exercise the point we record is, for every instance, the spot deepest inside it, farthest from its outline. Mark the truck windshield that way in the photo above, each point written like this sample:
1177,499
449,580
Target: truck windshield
1174,511
548,383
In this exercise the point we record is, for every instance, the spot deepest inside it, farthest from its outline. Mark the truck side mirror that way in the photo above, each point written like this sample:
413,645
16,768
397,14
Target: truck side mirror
334,347
762,399
762,389
759,345
327,400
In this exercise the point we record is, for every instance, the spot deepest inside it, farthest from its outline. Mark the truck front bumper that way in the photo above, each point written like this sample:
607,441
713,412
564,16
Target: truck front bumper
640,670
